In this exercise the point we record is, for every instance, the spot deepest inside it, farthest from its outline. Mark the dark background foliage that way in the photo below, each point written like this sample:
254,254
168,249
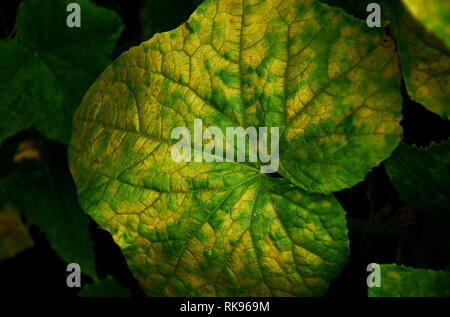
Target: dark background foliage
382,228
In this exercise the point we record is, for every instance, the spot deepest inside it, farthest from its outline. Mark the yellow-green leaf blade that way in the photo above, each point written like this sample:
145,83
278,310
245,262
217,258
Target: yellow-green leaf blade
330,84
425,62
433,14
232,234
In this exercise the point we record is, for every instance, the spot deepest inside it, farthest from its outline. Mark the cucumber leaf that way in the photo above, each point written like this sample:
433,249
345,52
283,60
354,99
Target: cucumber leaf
47,68
422,176
222,228
400,281
48,195
424,56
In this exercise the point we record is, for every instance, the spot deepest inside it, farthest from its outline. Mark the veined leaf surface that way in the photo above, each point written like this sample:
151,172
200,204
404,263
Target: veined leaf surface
222,228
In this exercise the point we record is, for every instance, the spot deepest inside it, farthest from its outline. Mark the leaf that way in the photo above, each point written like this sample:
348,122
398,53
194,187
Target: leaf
433,14
108,287
410,282
14,235
49,197
424,57
228,237
222,228
45,72
425,62
422,176
14,121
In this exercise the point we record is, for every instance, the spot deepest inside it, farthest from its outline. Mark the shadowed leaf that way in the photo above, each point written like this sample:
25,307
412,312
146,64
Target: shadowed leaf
47,68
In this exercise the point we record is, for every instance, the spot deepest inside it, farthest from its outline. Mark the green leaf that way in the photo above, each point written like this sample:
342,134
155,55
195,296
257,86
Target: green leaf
47,69
425,61
422,176
49,198
108,287
14,234
327,81
433,14
410,282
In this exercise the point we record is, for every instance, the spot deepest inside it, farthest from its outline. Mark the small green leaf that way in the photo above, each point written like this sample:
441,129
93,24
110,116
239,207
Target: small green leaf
422,176
47,68
425,61
411,282
49,198
108,287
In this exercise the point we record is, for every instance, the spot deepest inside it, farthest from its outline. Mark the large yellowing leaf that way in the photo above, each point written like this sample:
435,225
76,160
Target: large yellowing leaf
223,228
